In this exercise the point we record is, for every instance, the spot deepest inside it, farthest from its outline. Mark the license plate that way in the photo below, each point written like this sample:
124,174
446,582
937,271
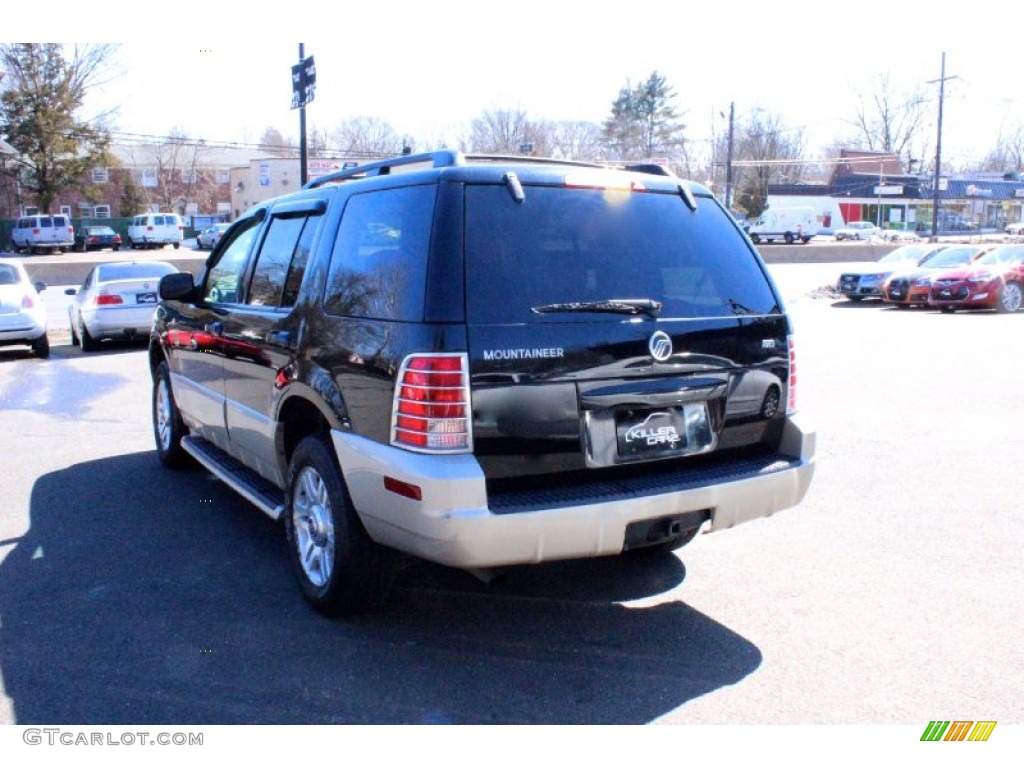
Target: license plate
145,298
653,432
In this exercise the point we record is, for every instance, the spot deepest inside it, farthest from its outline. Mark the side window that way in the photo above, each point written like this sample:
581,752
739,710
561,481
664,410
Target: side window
379,263
225,277
275,256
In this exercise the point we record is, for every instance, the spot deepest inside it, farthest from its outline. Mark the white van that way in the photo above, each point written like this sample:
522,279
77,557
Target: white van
789,224
45,231
155,230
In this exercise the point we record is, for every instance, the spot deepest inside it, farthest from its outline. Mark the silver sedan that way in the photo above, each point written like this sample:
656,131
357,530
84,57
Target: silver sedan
116,301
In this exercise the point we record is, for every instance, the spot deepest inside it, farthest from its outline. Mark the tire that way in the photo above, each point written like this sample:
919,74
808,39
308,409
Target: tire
856,235
41,347
176,246
74,334
805,240
770,404
755,238
947,310
340,569
789,238
168,426
89,344
1010,298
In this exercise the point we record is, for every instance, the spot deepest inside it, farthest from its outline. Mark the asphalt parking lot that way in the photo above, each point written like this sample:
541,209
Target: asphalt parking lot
889,596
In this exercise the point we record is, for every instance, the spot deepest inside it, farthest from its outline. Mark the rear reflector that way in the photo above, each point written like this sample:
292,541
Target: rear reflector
408,490
431,411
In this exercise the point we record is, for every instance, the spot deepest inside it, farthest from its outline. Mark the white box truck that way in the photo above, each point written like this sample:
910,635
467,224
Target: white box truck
789,224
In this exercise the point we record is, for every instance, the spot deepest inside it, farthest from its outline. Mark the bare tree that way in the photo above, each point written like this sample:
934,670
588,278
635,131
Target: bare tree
366,136
767,150
1008,154
179,163
501,131
888,120
273,142
575,140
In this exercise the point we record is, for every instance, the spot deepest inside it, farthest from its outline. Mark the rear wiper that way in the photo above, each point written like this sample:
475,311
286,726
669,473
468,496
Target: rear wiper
648,307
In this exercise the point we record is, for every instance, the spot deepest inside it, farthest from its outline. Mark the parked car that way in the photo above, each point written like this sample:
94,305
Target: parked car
913,286
857,230
94,238
43,232
209,237
22,312
155,230
116,301
863,282
787,224
994,281
482,363
1017,228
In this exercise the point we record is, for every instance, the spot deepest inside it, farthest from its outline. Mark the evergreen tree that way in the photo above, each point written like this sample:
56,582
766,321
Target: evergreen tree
643,122
39,115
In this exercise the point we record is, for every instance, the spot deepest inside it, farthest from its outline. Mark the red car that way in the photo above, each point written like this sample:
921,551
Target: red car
995,281
913,286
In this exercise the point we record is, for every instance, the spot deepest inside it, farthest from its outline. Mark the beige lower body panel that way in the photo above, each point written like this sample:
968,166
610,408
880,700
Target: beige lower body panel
452,525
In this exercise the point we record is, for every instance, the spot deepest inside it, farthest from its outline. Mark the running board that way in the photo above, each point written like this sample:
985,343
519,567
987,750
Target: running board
255,488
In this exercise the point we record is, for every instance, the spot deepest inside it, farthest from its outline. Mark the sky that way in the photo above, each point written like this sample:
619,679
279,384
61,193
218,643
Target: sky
429,68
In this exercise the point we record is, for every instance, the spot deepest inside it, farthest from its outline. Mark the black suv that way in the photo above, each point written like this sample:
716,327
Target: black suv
482,361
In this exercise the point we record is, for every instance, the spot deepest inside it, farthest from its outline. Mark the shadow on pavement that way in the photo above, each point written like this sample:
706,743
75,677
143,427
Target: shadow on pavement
144,596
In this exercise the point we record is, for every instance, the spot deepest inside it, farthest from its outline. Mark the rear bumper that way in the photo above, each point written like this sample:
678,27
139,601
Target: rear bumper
120,321
454,524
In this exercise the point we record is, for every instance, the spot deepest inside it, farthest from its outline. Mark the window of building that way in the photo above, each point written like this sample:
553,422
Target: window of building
101,212
189,176
146,177
223,177
66,210
100,175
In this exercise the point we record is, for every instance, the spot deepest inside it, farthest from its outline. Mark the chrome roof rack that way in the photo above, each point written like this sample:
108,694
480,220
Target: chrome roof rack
444,158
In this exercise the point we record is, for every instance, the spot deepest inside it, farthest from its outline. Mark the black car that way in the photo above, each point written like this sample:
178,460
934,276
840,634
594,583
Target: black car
482,362
94,238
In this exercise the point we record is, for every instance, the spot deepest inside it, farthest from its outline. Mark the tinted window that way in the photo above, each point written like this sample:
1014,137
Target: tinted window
46,221
281,262
158,221
225,277
378,267
583,245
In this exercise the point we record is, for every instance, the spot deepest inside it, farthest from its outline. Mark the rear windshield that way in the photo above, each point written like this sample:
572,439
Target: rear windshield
569,246
155,270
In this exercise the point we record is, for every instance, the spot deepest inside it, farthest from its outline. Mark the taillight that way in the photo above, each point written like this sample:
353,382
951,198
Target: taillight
26,302
791,404
106,299
35,231
431,411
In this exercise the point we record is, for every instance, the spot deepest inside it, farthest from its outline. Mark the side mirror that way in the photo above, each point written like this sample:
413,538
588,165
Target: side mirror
70,291
177,286
40,286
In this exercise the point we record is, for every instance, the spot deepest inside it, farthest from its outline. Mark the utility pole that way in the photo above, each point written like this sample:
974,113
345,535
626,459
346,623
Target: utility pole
303,164
938,148
728,162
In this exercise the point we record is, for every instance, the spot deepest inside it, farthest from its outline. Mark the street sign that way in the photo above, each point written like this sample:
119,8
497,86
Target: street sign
303,82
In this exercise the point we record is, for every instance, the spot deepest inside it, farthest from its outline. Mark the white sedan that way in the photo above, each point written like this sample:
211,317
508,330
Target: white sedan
22,312
857,230
116,301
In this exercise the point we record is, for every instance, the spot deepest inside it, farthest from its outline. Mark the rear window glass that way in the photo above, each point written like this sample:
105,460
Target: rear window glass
379,265
46,221
567,246
158,221
153,269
